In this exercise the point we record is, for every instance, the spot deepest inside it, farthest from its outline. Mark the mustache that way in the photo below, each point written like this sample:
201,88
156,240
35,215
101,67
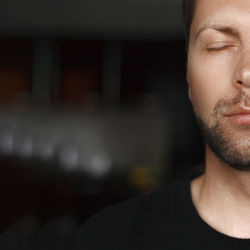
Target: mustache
242,98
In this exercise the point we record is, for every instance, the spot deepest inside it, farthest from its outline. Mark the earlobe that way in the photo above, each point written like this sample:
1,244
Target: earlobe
187,75
189,88
189,93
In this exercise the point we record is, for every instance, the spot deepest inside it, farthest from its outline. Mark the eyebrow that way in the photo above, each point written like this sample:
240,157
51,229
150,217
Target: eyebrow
228,30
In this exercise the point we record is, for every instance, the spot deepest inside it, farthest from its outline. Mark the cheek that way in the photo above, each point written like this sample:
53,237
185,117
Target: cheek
210,80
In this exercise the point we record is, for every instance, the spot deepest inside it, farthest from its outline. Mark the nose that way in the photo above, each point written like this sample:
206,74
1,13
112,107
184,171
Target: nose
243,72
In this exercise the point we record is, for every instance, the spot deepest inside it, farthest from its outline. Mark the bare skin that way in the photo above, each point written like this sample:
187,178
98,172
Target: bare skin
219,69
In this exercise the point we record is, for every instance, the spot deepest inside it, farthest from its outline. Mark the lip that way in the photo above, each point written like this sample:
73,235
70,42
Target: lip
239,116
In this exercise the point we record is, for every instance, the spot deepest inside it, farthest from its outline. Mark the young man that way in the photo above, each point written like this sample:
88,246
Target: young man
210,211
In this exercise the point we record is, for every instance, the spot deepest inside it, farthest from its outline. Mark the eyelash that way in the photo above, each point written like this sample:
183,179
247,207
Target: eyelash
215,49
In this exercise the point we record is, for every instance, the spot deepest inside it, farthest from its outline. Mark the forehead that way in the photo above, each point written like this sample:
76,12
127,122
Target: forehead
235,13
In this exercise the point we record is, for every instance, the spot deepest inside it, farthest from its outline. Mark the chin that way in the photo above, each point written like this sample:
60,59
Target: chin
229,144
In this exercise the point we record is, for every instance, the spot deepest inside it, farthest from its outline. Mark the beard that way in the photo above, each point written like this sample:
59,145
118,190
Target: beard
229,143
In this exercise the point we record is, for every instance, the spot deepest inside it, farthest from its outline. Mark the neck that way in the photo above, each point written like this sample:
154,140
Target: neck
222,197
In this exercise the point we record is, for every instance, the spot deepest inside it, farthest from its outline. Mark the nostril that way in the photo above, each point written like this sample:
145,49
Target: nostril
243,84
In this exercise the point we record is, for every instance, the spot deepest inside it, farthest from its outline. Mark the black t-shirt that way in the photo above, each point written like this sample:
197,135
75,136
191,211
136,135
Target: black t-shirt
165,219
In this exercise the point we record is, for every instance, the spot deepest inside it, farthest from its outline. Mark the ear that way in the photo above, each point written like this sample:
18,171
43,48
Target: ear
189,88
189,93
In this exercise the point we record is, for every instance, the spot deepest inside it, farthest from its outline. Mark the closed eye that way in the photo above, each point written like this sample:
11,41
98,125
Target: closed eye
219,48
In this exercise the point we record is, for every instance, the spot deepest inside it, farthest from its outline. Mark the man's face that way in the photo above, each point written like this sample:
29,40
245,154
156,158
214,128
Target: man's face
219,77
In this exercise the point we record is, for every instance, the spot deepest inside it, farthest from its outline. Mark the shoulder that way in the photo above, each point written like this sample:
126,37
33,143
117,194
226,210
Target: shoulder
161,199
130,217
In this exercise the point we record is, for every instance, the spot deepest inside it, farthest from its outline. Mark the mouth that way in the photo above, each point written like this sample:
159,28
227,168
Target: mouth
239,116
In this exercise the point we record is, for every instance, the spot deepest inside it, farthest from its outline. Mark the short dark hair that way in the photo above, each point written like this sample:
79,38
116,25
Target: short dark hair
188,7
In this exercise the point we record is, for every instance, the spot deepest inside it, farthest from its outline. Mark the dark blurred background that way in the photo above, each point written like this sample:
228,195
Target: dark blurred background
93,107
